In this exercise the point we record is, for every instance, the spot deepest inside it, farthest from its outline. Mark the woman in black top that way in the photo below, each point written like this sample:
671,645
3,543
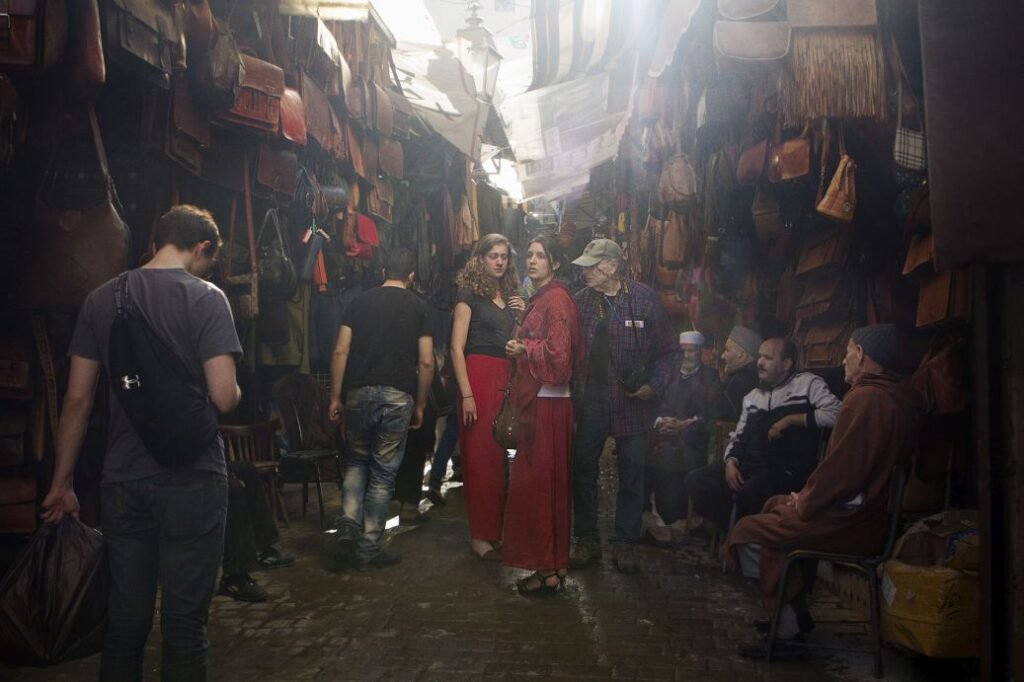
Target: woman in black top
484,318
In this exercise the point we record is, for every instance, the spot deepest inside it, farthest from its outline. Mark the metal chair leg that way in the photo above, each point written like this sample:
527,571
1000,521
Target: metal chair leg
876,630
319,491
777,611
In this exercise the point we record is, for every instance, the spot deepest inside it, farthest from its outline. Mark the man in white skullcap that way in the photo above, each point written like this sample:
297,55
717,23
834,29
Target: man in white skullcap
688,405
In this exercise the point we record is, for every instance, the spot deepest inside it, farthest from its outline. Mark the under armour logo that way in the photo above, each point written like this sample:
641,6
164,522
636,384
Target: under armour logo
128,383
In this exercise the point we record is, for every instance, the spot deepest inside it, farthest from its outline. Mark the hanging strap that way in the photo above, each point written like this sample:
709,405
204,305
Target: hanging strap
248,217
42,338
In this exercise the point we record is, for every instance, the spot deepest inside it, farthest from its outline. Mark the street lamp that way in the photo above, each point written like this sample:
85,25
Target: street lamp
477,50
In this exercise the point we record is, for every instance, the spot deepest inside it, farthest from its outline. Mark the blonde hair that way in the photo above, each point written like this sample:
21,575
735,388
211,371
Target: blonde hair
475,278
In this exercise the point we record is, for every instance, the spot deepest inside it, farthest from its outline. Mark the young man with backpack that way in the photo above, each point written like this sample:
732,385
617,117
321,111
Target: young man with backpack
163,509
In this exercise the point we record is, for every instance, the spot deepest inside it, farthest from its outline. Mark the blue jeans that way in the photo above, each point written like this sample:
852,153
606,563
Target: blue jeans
376,426
445,448
592,430
165,530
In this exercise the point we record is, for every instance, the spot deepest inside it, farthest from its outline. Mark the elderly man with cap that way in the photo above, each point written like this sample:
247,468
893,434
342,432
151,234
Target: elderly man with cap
843,507
739,360
775,445
629,357
681,445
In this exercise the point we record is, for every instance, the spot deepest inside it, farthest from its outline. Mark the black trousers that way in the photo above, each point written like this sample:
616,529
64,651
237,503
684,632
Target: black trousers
713,499
667,467
418,446
250,524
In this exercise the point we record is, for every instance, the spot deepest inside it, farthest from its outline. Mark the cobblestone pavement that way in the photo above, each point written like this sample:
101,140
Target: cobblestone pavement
441,614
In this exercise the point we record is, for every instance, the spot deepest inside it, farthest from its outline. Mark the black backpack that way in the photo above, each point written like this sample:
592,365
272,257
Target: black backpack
170,410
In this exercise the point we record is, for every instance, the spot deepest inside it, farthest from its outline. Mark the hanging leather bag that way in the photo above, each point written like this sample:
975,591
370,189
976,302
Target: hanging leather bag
403,115
322,124
74,251
826,253
189,133
218,76
789,159
33,34
840,200
678,182
276,173
383,119
941,377
505,428
767,215
86,63
144,38
293,118
826,299
381,201
752,162
243,289
745,10
391,157
277,277
824,347
258,102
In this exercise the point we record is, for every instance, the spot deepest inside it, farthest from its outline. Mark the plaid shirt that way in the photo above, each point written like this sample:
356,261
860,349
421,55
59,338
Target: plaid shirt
638,329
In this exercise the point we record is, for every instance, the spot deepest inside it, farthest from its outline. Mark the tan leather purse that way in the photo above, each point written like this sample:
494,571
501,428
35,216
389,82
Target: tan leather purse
678,181
840,200
789,159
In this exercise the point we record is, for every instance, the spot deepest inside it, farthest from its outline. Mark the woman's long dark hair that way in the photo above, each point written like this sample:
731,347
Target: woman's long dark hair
555,254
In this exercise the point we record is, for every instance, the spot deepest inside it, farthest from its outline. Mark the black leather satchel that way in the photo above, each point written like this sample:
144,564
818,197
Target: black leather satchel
144,38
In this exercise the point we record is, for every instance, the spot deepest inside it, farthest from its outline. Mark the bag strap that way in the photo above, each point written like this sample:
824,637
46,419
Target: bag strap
248,216
42,338
825,144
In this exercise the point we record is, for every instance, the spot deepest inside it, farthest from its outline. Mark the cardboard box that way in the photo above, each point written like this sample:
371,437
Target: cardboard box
930,587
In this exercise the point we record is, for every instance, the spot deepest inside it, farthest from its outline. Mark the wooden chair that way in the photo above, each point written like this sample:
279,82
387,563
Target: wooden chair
303,408
866,564
254,443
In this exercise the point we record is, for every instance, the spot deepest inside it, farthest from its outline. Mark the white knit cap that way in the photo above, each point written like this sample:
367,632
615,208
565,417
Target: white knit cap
691,338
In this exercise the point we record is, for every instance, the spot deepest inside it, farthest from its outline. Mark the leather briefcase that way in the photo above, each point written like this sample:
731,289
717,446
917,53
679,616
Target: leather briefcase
381,201
827,253
276,173
293,117
315,49
18,513
789,159
944,297
825,347
258,103
189,134
355,100
144,38
33,34
828,298
383,113
391,157
322,124
403,115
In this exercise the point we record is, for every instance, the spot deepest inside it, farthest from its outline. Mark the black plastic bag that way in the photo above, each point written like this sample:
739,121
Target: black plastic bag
53,602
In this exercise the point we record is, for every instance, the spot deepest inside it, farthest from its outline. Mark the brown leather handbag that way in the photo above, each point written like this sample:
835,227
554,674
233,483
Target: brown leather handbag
189,134
74,251
371,159
218,75
944,297
825,347
381,201
403,115
355,100
767,216
86,63
382,119
840,200
322,124
391,157
258,102
276,173
941,377
505,428
33,34
828,298
293,118
789,159
144,38
826,253
678,181
752,162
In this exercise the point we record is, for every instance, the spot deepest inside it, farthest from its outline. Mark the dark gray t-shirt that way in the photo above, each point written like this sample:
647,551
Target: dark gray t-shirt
193,317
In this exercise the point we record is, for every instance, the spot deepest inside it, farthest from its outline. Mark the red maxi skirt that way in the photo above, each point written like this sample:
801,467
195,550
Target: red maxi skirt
482,459
537,511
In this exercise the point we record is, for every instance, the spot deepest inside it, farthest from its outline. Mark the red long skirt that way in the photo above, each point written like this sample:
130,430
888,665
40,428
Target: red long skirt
537,511
482,459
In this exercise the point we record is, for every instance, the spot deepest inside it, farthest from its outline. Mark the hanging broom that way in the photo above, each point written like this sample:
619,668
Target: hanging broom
834,73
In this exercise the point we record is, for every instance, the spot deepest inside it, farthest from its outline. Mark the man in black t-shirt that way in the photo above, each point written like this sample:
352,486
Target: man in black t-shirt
384,356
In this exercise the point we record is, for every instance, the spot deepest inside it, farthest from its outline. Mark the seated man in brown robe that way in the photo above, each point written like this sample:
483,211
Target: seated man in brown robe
843,507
